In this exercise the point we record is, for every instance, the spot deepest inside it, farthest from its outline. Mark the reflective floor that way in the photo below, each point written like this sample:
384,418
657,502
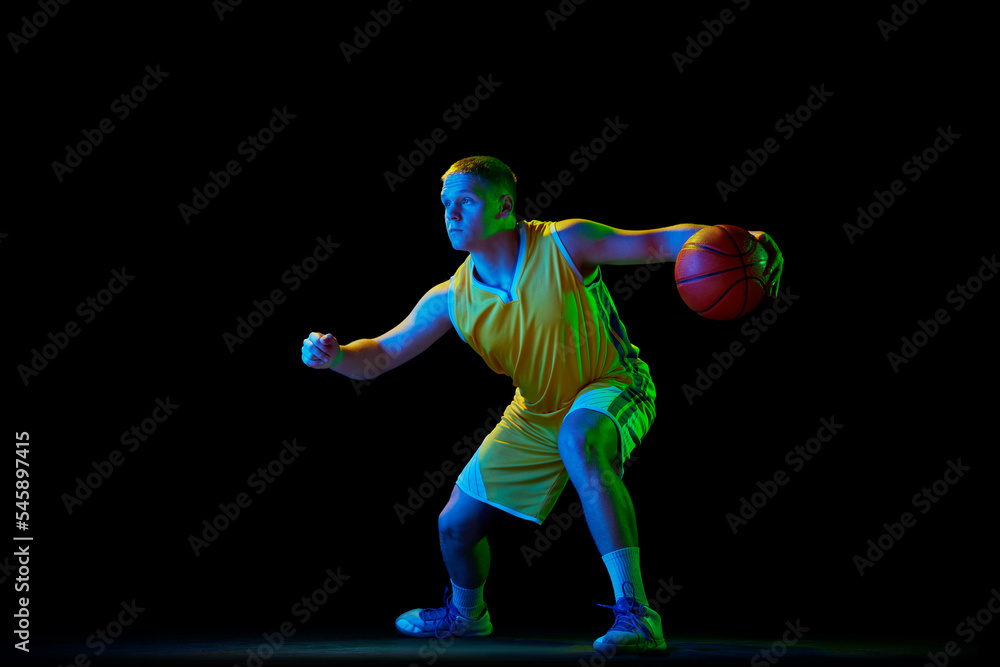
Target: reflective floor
383,648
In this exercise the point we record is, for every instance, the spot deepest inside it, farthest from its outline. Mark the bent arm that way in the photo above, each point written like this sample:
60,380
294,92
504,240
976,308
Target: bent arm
367,358
591,243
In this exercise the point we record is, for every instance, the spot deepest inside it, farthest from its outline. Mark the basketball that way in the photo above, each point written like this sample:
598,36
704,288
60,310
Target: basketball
720,272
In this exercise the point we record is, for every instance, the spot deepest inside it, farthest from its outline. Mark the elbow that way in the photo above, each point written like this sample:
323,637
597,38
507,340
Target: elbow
365,374
364,360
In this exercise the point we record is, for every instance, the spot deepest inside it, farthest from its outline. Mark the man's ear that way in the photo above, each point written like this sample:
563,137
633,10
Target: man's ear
506,206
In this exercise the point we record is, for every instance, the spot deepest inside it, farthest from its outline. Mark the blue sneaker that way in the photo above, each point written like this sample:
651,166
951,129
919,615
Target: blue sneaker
443,622
637,628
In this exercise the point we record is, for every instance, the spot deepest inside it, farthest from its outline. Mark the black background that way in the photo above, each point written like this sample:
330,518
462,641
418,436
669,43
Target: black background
367,446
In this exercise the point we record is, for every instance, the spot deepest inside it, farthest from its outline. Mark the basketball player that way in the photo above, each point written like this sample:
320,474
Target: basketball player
529,299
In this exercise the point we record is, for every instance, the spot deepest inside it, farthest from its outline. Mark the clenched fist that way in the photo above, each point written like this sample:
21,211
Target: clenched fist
319,350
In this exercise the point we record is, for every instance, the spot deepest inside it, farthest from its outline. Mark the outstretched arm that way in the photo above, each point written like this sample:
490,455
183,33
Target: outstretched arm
366,358
591,244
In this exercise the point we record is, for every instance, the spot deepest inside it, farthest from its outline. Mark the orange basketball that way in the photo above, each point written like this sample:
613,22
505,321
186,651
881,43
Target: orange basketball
720,272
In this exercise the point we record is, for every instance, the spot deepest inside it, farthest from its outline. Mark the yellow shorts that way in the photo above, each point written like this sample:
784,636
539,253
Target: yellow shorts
517,468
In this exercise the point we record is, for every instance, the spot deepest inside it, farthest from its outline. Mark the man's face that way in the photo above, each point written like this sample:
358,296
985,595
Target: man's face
471,214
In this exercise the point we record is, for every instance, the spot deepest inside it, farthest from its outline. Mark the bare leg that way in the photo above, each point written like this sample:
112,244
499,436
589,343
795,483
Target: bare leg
588,445
462,527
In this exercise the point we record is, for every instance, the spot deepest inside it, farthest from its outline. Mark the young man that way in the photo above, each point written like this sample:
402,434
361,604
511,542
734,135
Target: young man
529,299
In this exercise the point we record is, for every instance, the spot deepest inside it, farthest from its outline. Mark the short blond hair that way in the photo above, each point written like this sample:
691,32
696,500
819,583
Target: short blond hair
492,173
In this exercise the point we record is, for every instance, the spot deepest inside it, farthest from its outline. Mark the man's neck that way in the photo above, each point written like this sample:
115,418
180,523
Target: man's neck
496,259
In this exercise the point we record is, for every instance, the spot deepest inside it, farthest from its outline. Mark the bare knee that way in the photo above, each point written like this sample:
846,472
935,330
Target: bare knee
460,523
588,446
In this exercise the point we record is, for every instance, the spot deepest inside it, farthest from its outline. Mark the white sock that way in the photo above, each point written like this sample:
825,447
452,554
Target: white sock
623,566
468,601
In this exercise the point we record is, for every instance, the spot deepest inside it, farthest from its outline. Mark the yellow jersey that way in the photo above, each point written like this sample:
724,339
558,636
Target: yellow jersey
554,332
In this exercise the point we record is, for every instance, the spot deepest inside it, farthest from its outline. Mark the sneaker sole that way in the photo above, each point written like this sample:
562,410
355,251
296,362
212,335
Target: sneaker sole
412,631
